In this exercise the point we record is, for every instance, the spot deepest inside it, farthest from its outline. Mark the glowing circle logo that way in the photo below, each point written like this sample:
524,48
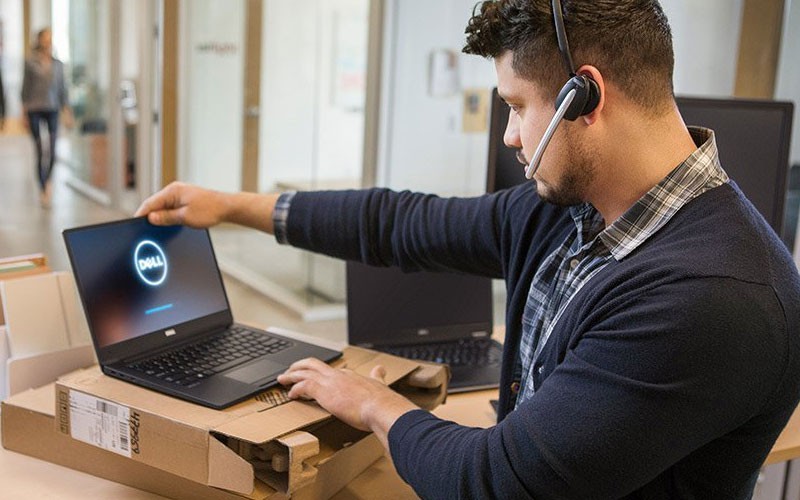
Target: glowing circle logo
150,262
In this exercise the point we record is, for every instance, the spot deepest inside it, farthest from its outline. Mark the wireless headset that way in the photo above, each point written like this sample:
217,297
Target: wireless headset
578,97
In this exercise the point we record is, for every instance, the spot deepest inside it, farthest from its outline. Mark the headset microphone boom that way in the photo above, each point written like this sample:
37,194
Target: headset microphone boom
578,97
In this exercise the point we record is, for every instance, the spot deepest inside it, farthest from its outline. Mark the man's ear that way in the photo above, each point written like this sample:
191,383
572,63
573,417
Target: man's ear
594,73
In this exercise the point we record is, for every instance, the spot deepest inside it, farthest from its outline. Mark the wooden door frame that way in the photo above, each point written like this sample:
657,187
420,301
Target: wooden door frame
759,48
252,95
170,32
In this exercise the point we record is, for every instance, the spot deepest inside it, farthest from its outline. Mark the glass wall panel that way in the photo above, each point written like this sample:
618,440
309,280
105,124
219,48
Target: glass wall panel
213,93
311,121
109,56
82,41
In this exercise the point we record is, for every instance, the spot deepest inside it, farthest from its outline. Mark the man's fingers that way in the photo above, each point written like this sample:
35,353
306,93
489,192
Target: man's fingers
294,376
309,364
144,208
155,202
303,390
304,383
167,217
378,373
304,377
166,199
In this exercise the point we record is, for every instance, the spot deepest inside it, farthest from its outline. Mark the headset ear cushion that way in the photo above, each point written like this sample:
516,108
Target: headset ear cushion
587,96
594,97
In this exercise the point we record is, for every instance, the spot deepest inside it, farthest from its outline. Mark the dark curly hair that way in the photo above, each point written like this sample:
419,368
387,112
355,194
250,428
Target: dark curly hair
629,41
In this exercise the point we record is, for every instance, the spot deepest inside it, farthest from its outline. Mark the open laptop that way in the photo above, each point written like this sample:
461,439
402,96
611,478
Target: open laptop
442,317
159,315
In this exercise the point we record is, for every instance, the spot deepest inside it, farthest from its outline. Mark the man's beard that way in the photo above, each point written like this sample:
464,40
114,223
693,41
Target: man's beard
578,172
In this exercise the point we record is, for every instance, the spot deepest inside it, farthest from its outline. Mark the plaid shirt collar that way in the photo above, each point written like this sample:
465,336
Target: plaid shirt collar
700,172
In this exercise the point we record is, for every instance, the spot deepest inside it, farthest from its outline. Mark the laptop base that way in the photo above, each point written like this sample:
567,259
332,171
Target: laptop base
473,371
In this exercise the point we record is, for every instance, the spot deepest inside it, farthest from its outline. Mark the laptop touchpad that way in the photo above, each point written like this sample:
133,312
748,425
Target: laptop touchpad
256,371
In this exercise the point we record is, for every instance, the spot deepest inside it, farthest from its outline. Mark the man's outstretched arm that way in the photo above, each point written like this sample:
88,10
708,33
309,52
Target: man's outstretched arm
194,206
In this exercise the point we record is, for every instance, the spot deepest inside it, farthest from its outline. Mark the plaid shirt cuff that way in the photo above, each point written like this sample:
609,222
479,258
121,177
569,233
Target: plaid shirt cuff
281,215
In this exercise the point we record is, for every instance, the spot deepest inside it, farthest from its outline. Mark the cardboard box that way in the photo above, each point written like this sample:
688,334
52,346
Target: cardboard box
19,267
253,449
33,371
46,334
28,427
43,314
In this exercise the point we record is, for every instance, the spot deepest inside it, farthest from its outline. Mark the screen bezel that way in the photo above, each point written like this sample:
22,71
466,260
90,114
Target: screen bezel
359,276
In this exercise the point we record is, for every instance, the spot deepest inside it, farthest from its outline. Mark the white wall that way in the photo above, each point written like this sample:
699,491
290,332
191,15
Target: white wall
422,147
788,84
211,99
705,38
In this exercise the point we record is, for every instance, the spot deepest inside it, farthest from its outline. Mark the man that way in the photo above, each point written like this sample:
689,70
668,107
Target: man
652,346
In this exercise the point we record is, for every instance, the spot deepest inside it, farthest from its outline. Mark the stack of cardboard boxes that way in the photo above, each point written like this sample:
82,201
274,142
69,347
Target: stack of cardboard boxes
43,331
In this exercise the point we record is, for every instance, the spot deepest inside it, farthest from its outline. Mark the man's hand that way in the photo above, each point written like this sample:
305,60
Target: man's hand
197,207
181,203
364,403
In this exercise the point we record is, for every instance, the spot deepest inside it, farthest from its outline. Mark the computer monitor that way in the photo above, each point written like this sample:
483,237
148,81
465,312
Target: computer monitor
753,137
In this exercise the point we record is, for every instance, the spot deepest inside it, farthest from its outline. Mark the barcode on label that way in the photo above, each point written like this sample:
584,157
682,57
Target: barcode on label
100,423
107,408
123,436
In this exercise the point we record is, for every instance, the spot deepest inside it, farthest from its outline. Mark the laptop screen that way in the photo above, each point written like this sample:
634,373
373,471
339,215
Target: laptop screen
387,307
136,278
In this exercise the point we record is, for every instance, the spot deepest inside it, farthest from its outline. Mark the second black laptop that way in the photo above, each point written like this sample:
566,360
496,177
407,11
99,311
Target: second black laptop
159,315
442,317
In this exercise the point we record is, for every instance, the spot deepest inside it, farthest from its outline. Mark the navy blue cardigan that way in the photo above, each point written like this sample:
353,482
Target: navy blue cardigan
670,374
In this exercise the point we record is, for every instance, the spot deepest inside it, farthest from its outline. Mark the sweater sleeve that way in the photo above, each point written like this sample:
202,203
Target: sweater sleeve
441,459
642,389
409,230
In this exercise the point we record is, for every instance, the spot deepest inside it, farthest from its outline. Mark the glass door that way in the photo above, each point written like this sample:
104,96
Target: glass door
82,40
272,98
109,78
135,102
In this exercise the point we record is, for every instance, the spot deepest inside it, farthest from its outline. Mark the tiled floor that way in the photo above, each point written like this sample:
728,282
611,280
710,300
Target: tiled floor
26,227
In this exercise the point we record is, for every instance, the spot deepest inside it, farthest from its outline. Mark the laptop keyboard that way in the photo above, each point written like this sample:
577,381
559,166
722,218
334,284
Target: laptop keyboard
190,365
473,352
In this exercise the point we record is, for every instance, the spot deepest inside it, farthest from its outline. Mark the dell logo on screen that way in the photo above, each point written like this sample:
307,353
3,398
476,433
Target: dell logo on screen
150,262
